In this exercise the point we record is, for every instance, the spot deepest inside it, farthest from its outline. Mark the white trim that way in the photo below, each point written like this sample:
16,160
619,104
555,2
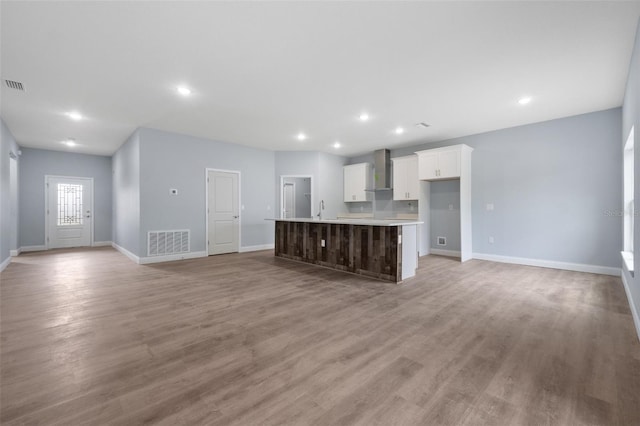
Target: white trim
32,248
627,259
246,249
206,205
5,263
172,257
102,244
14,253
282,178
441,252
46,206
126,252
579,267
632,305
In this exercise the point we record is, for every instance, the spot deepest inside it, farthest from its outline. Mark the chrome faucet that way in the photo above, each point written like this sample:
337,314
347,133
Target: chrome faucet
320,209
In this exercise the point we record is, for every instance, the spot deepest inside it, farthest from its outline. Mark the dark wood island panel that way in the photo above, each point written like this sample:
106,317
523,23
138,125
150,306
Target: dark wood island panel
367,250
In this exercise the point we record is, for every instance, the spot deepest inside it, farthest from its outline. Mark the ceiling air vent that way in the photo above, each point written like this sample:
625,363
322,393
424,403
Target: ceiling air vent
14,85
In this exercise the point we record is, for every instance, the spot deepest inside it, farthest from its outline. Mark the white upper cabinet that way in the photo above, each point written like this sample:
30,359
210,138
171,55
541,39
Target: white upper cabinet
406,185
358,179
439,163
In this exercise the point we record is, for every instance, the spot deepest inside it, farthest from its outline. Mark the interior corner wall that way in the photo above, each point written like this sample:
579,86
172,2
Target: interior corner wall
35,164
631,119
176,161
7,223
126,196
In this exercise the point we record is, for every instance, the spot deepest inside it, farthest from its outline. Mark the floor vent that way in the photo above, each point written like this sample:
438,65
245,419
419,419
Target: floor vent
163,243
14,85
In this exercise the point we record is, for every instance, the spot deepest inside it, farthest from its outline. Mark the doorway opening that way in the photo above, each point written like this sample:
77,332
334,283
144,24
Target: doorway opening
296,196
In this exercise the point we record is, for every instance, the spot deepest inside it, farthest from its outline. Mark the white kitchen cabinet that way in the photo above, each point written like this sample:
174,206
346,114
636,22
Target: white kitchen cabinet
358,180
439,163
406,185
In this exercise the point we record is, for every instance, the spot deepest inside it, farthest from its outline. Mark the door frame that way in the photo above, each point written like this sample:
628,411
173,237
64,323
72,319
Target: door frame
206,206
46,206
282,178
293,185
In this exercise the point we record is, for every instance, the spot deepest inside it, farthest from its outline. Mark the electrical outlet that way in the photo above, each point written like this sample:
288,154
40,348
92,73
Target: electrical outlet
450,206
322,243
490,207
491,240
442,241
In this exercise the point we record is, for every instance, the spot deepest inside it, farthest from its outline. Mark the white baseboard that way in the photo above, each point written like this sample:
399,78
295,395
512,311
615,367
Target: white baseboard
14,253
632,305
126,252
579,267
441,252
32,248
172,257
257,248
5,263
102,244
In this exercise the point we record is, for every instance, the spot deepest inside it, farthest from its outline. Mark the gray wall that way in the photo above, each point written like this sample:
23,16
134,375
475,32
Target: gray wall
7,222
326,170
126,195
35,164
631,118
551,184
171,160
445,222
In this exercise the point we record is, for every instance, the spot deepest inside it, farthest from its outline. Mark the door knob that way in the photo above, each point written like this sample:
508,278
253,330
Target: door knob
235,217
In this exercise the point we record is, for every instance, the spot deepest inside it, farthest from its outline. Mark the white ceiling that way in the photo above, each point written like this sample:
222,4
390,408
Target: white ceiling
263,71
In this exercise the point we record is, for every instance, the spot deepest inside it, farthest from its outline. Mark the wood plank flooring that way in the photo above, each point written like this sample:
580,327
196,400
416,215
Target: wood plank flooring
88,337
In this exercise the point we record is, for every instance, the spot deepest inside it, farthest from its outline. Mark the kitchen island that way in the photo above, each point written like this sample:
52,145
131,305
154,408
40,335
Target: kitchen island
382,249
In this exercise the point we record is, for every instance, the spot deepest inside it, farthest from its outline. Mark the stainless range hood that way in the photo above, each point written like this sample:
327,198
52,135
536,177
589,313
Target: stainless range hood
382,171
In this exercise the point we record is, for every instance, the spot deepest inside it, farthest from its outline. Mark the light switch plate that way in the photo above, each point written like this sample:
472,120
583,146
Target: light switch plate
489,206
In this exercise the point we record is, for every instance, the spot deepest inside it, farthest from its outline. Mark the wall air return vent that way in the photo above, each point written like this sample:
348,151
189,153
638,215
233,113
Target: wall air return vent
164,243
14,85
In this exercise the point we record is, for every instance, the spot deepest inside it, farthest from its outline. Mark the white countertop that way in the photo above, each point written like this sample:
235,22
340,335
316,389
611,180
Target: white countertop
364,222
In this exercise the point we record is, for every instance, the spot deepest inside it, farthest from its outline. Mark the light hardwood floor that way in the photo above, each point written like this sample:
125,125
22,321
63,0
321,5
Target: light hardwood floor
89,337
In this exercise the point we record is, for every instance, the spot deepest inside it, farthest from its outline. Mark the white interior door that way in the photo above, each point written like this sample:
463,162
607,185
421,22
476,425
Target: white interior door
289,207
69,212
223,216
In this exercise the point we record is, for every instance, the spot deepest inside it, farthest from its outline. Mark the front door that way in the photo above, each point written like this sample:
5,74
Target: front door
223,216
69,211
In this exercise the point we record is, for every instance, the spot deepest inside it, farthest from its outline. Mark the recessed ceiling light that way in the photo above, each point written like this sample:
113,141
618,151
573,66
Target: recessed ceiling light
184,90
524,100
74,115
337,145
69,142
364,116
399,130
301,136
